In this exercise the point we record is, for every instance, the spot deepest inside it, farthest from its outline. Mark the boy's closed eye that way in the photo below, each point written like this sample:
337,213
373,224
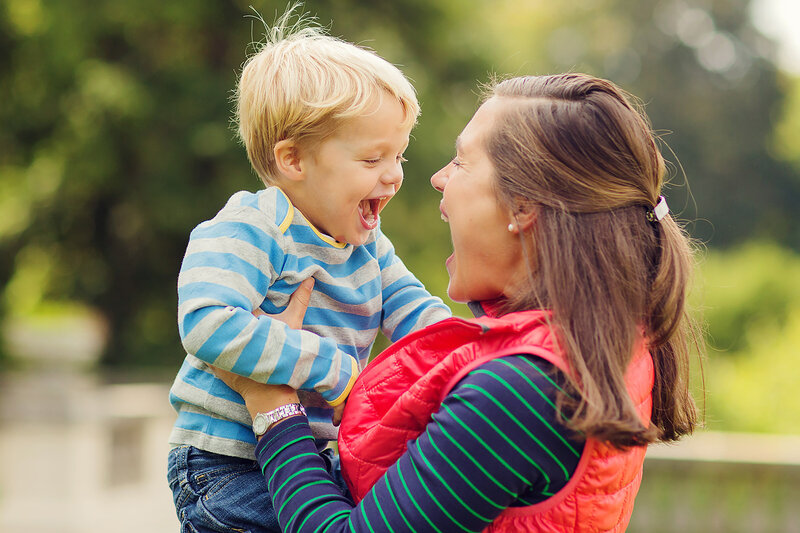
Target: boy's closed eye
376,160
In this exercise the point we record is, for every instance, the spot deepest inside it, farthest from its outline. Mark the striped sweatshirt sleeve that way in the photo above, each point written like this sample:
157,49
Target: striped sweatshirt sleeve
407,305
494,443
230,263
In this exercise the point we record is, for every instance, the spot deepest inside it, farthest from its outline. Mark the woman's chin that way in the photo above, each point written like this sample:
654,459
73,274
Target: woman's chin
453,297
452,291
454,294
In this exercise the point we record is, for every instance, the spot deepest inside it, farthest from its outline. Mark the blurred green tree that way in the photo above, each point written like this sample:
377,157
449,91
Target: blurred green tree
117,141
116,138
749,296
709,85
786,139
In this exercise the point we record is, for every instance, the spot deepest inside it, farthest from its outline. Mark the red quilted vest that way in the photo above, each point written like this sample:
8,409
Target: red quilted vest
394,398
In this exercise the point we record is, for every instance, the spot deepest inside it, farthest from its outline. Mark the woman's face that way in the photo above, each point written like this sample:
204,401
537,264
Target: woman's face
487,256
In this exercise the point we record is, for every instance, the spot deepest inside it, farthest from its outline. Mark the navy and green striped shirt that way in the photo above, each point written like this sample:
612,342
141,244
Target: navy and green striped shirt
494,443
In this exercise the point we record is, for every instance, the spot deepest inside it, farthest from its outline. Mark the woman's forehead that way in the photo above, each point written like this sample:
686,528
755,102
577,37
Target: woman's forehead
479,126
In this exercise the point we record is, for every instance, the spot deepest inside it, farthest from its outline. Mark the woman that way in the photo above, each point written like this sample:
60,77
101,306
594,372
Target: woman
536,416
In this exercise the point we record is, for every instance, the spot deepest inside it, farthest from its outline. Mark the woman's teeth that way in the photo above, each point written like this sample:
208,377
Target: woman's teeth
441,210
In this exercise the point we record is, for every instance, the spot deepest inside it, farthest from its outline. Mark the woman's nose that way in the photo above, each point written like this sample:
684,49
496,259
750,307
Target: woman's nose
439,180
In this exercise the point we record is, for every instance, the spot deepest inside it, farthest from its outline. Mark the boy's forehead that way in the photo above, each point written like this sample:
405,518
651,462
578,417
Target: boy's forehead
376,129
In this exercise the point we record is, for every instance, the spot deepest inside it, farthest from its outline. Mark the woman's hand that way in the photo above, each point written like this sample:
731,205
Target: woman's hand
260,397
295,312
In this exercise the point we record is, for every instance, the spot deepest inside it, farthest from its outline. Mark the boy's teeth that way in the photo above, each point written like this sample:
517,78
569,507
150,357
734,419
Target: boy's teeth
369,208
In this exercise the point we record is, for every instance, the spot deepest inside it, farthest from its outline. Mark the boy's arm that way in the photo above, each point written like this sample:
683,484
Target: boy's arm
407,305
231,262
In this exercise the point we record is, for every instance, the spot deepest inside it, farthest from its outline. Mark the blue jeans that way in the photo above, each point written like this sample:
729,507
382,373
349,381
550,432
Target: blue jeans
221,494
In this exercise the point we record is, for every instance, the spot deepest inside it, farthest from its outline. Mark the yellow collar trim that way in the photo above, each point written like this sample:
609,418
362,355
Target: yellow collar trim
288,220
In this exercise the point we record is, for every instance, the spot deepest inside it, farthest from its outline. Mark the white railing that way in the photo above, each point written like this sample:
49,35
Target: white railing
80,457
721,482
77,456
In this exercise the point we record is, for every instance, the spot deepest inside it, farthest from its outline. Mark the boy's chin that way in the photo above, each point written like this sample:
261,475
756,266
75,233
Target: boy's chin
358,241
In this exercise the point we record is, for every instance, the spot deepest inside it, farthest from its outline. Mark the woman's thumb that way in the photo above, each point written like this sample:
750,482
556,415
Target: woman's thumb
298,302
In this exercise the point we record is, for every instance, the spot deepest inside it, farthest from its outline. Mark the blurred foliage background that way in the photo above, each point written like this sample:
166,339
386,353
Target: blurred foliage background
115,140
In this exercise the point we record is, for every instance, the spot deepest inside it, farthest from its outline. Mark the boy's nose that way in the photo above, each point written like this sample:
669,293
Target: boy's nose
393,176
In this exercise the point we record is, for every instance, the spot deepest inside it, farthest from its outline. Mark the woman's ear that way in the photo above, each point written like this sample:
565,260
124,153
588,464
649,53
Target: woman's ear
525,218
287,159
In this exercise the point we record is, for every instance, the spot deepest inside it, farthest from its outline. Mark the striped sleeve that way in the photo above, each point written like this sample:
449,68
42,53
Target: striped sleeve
494,443
407,305
231,262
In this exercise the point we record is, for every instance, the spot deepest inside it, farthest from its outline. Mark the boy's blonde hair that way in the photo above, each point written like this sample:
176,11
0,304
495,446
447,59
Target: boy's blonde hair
301,84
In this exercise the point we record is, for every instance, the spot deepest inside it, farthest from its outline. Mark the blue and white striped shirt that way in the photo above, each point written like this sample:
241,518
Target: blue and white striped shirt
254,254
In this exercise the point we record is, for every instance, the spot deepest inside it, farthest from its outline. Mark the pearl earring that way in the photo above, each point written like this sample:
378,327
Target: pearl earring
511,228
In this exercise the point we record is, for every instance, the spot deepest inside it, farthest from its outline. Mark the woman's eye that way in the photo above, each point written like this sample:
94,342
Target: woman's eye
455,162
372,161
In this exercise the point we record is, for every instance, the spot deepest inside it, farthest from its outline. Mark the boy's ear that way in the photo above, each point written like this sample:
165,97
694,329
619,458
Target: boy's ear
287,159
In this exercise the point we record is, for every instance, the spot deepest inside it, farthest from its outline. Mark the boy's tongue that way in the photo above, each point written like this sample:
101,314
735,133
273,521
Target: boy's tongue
367,211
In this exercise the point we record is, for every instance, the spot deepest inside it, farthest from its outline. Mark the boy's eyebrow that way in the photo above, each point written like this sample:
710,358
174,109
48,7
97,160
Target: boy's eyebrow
380,145
458,143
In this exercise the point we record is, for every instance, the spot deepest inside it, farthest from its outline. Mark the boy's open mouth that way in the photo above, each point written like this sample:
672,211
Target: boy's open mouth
370,209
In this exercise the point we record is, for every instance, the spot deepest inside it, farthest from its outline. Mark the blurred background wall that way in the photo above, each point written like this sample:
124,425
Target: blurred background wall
116,140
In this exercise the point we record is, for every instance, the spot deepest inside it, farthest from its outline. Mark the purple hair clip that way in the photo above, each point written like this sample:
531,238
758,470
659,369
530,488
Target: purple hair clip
659,211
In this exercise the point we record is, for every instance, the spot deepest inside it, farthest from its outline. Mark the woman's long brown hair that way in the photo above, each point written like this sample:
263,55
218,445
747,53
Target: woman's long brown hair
576,152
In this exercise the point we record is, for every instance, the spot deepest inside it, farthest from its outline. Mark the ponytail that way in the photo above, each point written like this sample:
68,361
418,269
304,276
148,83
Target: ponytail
669,329
573,150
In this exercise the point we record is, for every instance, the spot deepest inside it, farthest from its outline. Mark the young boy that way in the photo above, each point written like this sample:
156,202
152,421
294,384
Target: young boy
325,124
